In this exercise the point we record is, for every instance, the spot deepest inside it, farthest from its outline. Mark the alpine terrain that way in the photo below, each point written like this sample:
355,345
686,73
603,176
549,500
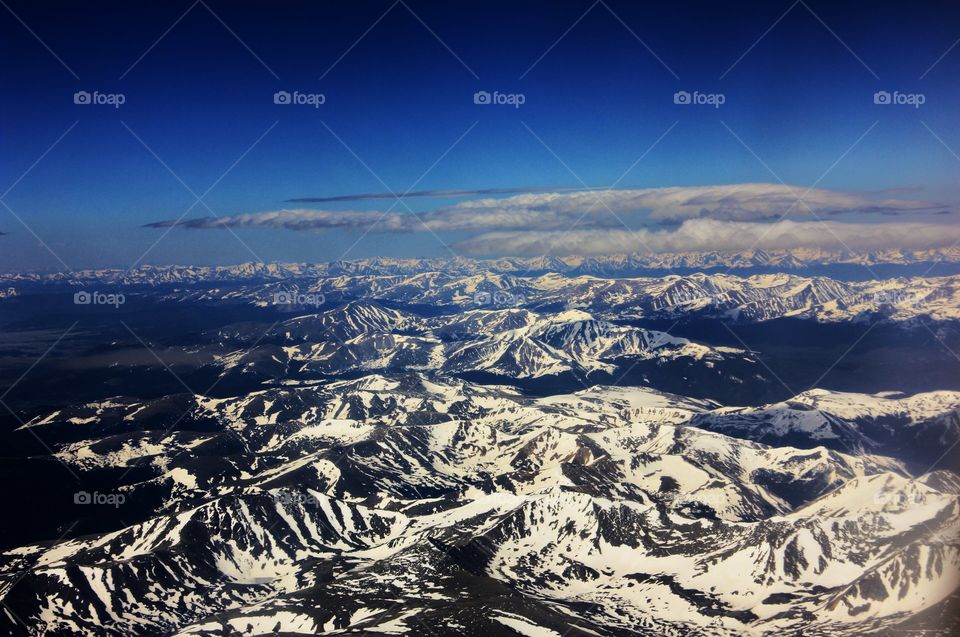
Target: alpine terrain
475,449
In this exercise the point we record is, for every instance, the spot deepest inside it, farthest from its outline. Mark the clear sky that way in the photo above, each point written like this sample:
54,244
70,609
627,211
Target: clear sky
597,81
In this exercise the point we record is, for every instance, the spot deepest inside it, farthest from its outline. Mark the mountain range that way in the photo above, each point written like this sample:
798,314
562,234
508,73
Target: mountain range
603,266
375,504
293,450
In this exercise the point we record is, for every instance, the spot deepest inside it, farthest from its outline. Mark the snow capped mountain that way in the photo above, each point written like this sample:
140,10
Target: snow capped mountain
344,323
570,340
915,428
512,343
788,423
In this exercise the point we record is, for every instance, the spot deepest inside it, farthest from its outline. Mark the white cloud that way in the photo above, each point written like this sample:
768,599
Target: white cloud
442,220
559,211
731,217
705,235
737,202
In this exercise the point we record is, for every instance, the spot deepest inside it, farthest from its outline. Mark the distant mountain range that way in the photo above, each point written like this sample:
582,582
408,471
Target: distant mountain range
602,287
732,298
610,266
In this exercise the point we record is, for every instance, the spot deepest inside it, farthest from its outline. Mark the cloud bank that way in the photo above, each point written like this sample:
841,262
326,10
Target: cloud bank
729,217
737,202
707,235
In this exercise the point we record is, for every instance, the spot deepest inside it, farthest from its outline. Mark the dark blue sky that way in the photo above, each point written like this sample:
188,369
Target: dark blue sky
400,97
